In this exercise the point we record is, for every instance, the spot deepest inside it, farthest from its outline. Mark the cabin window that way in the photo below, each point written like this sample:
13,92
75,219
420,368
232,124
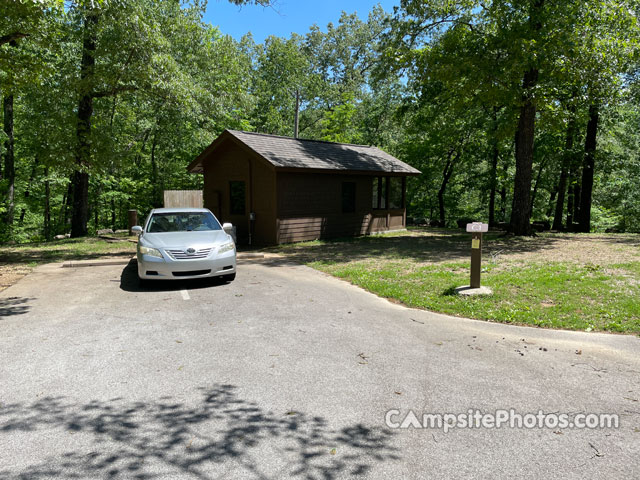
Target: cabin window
374,202
379,200
237,198
348,197
395,192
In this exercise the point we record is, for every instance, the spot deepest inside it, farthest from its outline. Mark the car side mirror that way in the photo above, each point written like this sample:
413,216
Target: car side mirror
137,230
229,229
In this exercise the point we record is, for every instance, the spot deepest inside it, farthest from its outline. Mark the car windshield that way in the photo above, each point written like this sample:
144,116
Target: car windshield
182,222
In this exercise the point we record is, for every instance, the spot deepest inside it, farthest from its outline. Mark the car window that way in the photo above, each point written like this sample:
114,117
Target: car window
182,222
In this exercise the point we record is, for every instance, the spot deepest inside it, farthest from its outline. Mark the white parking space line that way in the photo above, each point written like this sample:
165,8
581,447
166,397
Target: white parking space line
185,295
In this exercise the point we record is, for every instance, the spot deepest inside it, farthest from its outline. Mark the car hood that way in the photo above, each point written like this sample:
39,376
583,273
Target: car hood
184,239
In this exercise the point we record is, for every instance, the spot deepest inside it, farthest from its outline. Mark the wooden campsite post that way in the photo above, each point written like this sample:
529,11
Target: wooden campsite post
133,220
476,229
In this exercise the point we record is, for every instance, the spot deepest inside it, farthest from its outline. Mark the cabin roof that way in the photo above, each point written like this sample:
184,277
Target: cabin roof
296,153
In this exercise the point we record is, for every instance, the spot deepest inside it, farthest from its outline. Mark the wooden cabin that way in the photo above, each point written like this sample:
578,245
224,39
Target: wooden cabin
279,189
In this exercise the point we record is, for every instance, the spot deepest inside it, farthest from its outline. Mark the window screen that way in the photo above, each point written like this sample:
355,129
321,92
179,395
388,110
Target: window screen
395,192
380,186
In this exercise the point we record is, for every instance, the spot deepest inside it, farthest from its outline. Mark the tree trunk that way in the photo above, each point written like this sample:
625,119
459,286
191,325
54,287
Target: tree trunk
27,192
67,201
587,168
446,175
576,199
47,206
493,187
80,215
156,201
537,182
564,174
525,133
80,206
558,196
9,159
570,199
493,180
96,215
552,200
138,159
113,215
521,212
503,204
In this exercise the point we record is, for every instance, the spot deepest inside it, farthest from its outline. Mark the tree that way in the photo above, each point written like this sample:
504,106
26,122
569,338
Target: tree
114,109
25,20
283,78
515,53
122,39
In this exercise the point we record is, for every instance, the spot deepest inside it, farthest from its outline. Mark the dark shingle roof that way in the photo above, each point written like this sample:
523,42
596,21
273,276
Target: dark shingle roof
287,152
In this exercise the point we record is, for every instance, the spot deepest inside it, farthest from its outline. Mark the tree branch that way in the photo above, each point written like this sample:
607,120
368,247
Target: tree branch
114,91
12,37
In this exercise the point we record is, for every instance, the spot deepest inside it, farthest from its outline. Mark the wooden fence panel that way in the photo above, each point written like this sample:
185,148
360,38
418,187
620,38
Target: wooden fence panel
183,198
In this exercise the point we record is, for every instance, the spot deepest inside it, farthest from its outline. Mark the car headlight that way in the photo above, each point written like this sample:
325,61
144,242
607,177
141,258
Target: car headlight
226,247
154,252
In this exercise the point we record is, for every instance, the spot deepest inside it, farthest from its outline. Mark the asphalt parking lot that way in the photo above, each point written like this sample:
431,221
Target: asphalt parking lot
288,373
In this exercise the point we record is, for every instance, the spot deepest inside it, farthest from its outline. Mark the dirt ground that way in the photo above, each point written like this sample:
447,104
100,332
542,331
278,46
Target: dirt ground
10,274
17,261
431,245
601,249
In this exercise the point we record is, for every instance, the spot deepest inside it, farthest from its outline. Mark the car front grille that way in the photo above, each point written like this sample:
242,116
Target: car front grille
183,255
192,273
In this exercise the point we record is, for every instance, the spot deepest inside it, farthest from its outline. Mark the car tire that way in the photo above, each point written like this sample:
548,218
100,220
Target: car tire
229,278
143,283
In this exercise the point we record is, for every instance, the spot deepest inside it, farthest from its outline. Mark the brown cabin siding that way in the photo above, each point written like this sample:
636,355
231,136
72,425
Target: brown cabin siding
233,164
294,187
264,203
310,207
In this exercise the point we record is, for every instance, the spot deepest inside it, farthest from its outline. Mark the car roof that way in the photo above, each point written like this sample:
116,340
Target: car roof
179,210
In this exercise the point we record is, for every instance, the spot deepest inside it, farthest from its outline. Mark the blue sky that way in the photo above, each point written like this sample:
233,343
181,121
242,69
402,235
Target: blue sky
286,17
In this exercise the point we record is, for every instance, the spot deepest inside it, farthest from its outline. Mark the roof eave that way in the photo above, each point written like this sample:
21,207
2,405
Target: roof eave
197,165
346,171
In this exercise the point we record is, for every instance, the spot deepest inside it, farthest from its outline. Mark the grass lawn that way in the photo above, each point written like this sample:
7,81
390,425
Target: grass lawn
17,261
572,281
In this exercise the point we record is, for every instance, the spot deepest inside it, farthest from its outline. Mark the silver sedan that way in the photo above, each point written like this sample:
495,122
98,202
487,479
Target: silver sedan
182,243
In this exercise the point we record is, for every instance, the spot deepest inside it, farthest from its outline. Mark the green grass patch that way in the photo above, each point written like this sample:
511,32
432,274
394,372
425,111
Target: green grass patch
87,248
422,271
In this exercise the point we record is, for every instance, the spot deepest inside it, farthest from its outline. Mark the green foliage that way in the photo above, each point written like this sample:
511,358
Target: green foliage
336,122
438,83
463,59
164,85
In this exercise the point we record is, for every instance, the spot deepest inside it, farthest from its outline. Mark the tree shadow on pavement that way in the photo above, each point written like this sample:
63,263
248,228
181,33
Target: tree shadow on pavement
129,282
14,306
221,434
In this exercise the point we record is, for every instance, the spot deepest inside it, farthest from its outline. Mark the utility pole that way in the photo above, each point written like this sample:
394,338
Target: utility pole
295,129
